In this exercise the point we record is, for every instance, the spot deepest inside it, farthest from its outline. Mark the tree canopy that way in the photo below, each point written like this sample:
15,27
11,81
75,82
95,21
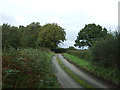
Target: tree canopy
33,35
30,34
10,36
51,35
90,34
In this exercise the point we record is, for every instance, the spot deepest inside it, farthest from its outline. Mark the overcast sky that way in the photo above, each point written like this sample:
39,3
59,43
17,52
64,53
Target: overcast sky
72,15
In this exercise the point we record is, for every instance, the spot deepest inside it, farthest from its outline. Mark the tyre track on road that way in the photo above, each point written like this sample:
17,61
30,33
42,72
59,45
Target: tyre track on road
64,79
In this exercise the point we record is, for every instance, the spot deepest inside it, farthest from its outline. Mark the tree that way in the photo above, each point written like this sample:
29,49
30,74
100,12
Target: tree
51,35
10,36
30,34
90,34
5,34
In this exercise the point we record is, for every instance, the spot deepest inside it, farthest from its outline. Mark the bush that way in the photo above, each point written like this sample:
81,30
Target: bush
105,52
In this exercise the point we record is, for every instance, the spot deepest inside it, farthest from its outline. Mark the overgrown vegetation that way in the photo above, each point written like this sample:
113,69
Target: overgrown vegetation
108,73
106,51
26,55
28,68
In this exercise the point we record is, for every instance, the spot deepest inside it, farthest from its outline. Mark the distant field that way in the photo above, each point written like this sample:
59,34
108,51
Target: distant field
28,68
106,73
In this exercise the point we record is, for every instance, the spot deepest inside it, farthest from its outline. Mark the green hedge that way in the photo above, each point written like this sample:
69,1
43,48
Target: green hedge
83,54
59,50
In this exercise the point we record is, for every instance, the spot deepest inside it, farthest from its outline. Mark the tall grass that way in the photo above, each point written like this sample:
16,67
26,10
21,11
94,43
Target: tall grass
28,68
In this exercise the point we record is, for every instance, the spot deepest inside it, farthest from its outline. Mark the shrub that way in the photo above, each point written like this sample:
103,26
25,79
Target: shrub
105,51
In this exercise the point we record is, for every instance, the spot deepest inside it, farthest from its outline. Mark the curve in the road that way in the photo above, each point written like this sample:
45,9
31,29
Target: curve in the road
64,79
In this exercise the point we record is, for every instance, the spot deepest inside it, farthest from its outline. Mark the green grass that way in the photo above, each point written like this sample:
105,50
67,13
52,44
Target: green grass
106,73
28,68
73,75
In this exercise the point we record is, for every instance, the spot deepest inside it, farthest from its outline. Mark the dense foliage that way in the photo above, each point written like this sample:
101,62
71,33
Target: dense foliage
104,47
90,34
51,35
28,68
10,36
32,36
25,64
106,51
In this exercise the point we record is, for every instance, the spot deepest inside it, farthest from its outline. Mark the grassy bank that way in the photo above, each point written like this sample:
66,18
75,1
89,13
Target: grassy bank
28,68
106,73
74,76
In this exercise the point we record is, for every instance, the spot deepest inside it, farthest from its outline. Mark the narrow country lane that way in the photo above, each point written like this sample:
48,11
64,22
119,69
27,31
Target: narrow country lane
64,79
95,82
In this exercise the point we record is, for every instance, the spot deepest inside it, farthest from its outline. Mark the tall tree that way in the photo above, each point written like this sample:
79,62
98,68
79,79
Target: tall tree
51,35
10,36
30,34
90,34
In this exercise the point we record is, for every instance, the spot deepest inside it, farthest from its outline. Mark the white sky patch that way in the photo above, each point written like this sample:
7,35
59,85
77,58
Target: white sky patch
20,19
54,20
67,43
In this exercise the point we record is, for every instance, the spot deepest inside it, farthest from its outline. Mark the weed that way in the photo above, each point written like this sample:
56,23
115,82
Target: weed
28,68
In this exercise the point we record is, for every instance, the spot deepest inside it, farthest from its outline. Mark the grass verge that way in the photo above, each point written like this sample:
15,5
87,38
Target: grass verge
105,73
73,75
